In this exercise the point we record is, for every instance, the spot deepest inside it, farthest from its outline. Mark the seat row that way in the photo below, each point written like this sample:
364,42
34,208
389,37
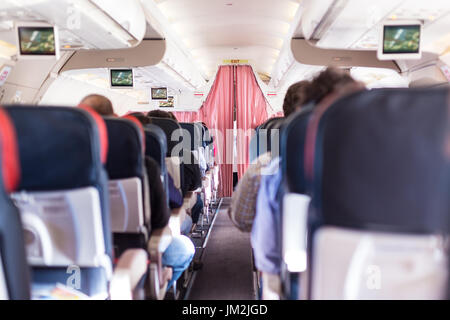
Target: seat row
79,183
364,201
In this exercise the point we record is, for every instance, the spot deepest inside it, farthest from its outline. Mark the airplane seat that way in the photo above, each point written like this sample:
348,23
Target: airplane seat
266,134
378,218
63,197
156,148
129,198
14,269
130,216
174,155
290,138
193,141
174,165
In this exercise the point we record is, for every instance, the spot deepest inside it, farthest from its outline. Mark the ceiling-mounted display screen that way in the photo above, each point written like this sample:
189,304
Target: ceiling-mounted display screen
400,40
37,40
167,104
121,78
159,93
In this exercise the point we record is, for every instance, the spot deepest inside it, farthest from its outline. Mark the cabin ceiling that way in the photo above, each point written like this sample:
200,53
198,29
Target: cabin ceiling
355,24
213,31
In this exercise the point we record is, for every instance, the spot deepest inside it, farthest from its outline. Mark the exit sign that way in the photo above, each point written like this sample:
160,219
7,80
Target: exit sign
235,61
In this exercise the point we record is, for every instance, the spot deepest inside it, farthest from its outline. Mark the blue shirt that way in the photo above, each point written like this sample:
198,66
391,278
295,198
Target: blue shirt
266,238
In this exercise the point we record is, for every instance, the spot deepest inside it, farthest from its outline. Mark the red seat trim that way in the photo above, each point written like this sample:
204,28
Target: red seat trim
102,131
10,163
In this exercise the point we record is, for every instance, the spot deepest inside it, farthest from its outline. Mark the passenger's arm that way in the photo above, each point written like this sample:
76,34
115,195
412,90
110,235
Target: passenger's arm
130,269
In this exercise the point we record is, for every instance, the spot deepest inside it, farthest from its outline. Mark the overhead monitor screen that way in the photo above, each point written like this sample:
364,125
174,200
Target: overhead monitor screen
401,39
159,93
121,78
167,104
38,41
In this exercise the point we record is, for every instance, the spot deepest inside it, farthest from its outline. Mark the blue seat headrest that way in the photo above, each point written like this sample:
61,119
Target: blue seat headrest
380,164
125,155
59,147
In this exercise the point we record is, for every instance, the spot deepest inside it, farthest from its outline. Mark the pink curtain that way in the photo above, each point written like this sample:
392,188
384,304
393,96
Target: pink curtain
188,116
251,111
217,113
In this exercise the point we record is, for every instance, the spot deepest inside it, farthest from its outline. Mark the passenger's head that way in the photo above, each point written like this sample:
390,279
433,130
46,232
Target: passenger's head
295,97
161,114
141,117
99,103
332,80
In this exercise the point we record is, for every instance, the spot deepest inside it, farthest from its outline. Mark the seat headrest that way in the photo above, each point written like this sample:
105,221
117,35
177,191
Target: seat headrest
126,148
169,126
156,144
292,147
9,154
207,137
101,128
202,131
270,122
138,123
195,135
59,147
379,161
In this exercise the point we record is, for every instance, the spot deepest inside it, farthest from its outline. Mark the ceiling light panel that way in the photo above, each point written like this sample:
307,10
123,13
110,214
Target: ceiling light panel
211,29
354,20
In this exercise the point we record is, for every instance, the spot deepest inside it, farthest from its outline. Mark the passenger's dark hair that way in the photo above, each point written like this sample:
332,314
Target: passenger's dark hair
326,82
295,97
101,104
161,114
141,117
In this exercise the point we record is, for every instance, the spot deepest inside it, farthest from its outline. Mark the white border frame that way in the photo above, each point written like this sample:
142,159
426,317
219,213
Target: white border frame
399,56
32,24
120,87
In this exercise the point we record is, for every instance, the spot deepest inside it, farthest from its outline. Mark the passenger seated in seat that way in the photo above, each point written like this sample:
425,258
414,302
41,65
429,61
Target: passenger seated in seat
243,202
175,197
192,174
181,250
266,238
99,103
141,117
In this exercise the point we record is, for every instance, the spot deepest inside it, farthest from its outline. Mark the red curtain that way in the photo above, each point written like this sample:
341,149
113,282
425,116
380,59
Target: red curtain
251,111
188,116
218,116
217,113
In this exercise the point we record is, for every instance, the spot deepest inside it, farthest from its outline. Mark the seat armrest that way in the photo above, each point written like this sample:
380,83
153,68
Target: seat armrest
294,229
271,289
176,218
130,269
160,239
